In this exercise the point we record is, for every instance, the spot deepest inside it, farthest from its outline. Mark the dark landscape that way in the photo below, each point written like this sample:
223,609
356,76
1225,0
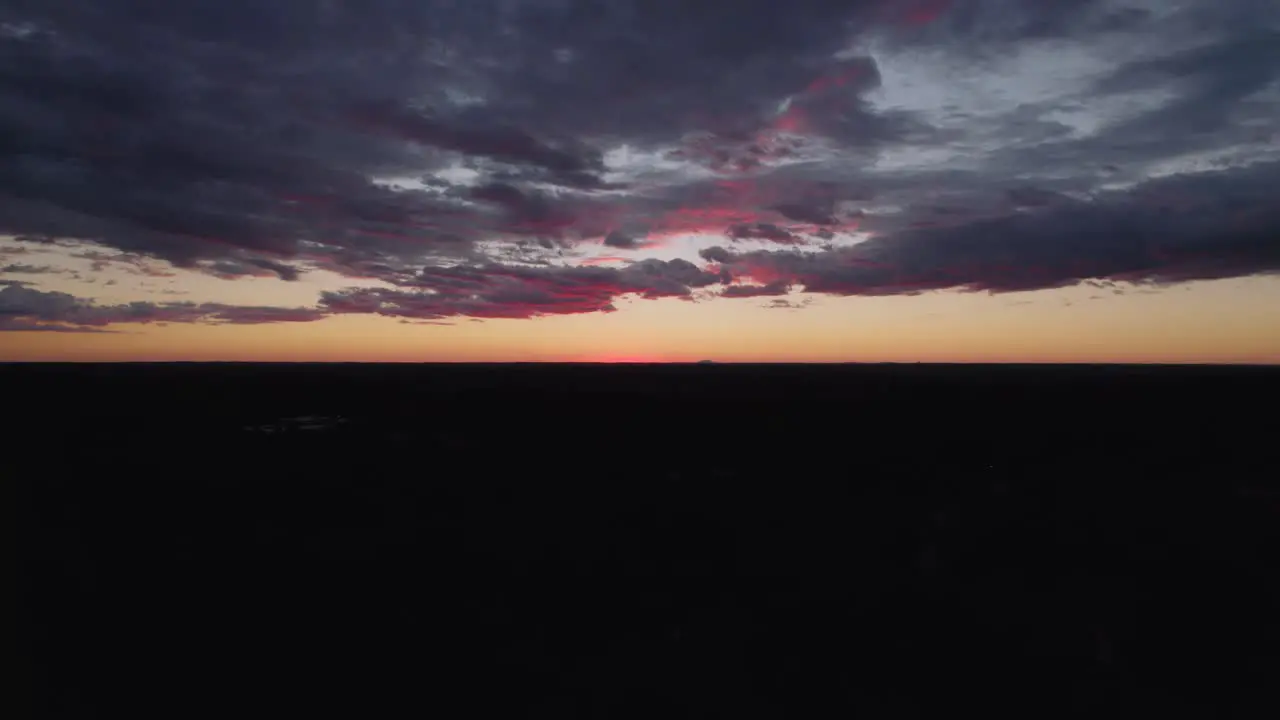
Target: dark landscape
881,541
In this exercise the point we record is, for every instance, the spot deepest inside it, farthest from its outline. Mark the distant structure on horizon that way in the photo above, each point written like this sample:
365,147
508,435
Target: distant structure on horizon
706,362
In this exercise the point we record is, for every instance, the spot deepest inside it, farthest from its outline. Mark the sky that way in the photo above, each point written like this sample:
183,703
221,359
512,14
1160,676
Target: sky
640,180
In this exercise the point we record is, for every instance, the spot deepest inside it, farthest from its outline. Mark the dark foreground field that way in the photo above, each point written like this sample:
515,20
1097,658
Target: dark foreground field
646,542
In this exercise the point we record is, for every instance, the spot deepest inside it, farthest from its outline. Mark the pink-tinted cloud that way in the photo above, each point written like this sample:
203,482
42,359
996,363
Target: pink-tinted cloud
924,12
740,208
496,291
603,260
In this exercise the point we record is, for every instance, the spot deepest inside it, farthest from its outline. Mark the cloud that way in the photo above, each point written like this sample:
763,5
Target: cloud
504,144
8,325
785,304
818,214
496,291
431,142
780,287
621,240
27,269
762,231
1174,229
127,262
1034,197
27,309
250,267
232,131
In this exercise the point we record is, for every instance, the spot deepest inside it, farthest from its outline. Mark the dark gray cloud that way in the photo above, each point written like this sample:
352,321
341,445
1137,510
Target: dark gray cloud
251,267
394,139
818,213
131,263
497,291
1034,197
234,131
621,240
785,304
1210,87
773,289
1175,229
28,269
762,231
27,309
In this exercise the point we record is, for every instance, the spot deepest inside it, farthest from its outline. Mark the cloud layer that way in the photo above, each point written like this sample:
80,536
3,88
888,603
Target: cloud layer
23,308
477,158
1189,227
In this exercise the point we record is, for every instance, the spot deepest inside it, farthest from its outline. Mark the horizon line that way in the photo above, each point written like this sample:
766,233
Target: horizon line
701,363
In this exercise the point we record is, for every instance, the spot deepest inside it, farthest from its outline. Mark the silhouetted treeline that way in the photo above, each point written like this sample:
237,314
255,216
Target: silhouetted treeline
629,541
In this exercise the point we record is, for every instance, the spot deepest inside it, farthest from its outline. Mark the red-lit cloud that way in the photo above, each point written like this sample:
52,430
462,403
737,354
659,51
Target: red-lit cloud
924,12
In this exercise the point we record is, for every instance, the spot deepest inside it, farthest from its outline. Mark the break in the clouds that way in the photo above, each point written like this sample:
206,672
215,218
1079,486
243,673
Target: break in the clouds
483,158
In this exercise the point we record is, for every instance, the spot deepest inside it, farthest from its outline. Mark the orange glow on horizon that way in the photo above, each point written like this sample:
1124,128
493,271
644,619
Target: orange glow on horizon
624,358
1213,322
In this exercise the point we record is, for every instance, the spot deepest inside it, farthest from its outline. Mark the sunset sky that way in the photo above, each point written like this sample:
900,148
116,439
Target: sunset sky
640,180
